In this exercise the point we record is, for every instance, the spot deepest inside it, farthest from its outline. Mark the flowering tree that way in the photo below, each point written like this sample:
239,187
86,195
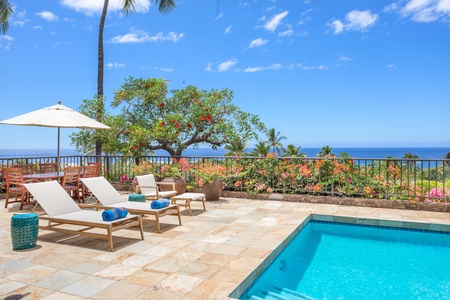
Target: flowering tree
154,118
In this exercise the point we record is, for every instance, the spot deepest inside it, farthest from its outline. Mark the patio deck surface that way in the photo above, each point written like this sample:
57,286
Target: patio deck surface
205,258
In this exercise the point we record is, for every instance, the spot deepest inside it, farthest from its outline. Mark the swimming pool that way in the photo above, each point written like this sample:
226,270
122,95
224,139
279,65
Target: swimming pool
328,260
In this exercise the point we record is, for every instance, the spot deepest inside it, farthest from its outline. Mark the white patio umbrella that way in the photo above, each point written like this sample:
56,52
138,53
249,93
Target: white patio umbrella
59,116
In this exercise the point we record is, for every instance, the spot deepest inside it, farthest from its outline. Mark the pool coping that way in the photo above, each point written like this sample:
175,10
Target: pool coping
246,283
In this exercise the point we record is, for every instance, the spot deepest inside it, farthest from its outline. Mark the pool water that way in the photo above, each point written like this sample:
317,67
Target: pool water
329,260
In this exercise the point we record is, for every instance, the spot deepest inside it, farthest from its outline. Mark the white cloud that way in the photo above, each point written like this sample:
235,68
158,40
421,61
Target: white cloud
165,69
338,26
21,14
114,65
6,46
273,67
390,66
286,33
48,15
140,36
344,58
61,43
90,7
19,18
19,23
423,11
219,16
6,37
318,67
273,23
356,20
258,43
37,27
228,29
226,65
209,68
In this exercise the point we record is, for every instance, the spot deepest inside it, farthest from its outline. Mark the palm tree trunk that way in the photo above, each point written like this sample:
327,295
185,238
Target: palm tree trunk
99,114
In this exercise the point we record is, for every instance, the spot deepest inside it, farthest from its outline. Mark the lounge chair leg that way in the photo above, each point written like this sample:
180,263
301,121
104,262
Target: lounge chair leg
141,227
158,226
178,214
109,229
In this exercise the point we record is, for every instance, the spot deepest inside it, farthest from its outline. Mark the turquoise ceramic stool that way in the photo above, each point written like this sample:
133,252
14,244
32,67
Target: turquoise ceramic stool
136,197
24,231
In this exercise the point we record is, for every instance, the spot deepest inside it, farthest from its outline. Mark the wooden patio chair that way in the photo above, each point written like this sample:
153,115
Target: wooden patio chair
89,171
48,168
98,165
14,187
71,182
150,188
62,211
26,168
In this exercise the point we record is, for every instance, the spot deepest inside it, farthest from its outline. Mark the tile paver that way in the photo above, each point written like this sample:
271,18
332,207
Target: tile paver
205,258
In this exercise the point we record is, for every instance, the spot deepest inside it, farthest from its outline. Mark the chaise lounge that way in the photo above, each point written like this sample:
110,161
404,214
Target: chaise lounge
109,197
150,188
62,210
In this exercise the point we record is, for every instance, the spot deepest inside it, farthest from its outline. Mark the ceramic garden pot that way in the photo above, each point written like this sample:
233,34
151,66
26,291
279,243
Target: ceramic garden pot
213,191
180,185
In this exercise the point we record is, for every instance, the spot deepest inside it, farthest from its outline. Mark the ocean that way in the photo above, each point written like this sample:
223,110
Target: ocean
355,152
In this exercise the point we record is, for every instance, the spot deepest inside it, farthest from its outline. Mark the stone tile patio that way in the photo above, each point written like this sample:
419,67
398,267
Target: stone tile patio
205,258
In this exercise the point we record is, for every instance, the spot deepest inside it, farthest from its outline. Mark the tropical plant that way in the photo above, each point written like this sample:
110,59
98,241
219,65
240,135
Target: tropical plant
447,156
274,140
145,168
174,169
410,163
6,10
209,172
236,148
326,150
292,151
261,149
151,120
164,6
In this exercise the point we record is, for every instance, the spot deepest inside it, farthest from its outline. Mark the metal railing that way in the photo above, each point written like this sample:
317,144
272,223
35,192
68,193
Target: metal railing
400,179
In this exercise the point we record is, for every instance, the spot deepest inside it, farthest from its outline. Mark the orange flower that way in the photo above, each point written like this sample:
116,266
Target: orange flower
163,123
208,118
161,104
202,118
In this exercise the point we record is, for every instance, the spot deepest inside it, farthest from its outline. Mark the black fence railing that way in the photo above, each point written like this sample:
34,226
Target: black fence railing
426,180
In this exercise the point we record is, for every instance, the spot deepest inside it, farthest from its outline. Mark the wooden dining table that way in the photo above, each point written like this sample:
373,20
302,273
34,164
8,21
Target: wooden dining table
44,176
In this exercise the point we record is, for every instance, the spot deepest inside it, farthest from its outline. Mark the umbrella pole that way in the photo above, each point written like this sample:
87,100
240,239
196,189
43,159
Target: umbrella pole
57,156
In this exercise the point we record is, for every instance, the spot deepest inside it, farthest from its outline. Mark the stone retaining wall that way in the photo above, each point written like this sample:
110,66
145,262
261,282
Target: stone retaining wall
365,202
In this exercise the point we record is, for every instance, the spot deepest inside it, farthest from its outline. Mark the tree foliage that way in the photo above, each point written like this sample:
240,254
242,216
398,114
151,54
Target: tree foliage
154,118
6,10
326,150
237,147
261,149
164,6
274,140
292,151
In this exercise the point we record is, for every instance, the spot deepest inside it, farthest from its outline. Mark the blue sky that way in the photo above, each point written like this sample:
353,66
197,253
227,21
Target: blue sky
342,73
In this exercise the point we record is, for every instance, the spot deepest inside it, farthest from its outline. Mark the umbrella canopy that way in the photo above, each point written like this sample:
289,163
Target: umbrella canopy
56,116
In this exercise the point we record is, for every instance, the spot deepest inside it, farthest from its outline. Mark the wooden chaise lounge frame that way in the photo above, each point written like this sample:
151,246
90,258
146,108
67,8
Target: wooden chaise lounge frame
62,210
108,197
